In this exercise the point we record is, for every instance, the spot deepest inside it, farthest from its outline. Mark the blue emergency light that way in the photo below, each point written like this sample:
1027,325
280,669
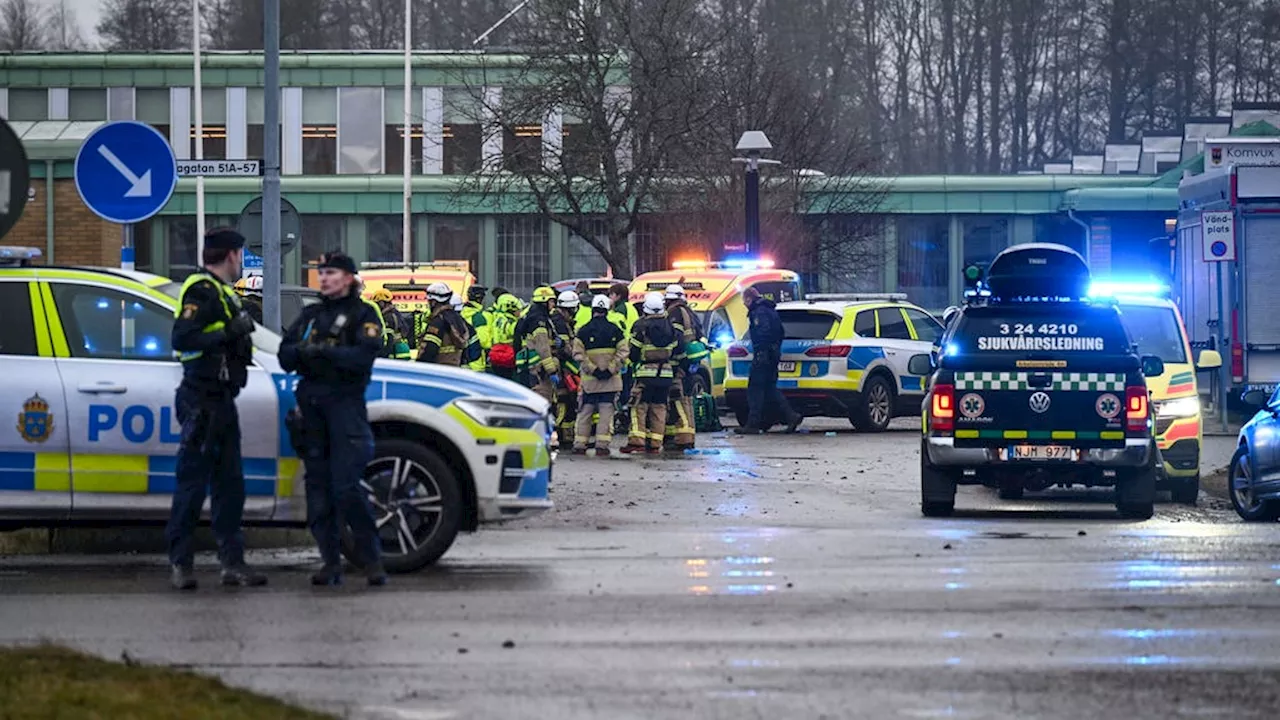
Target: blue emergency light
1137,288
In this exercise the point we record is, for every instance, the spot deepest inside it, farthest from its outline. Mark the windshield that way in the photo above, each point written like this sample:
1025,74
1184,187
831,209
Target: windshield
1156,331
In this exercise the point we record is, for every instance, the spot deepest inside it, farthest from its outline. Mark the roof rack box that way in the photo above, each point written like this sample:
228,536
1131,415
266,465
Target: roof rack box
1038,269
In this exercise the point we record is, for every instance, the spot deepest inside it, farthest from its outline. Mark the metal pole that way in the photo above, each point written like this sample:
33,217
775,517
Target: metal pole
752,239
271,260
407,229
1224,372
126,247
199,112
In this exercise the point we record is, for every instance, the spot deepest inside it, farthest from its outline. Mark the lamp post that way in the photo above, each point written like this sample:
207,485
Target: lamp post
753,144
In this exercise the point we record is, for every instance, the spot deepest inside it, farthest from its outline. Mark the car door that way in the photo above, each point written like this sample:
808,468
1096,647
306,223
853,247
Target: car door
35,474
899,346
119,375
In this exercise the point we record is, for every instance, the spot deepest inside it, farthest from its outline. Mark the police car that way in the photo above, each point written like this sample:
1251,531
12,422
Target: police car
91,378
1038,386
844,356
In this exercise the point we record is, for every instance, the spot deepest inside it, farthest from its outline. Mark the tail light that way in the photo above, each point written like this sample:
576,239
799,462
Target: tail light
1237,362
828,351
737,351
942,415
1135,408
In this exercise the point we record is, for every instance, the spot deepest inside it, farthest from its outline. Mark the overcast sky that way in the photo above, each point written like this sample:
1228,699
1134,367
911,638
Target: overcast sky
87,14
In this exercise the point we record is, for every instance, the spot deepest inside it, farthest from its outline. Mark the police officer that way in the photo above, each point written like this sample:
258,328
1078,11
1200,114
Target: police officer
332,346
654,342
397,329
680,433
211,334
601,350
481,322
537,362
444,340
764,401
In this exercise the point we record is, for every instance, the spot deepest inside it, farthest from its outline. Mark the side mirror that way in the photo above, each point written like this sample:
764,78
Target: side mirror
1152,366
1209,360
921,365
1255,398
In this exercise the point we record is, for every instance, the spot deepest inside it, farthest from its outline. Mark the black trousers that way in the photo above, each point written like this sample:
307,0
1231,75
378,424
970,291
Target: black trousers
766,404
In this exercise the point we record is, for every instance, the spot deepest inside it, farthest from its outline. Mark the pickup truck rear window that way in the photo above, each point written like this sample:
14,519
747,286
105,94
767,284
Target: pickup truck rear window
1045,330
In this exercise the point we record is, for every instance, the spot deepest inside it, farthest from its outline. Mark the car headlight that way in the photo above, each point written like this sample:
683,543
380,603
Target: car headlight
499,415
1180,408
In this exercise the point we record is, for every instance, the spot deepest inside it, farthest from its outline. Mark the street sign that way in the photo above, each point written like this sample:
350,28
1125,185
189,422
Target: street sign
14,178
220,168
1218,232
125,172
250,225
252,263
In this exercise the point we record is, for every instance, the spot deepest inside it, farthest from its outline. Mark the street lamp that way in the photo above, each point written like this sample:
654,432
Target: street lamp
753,144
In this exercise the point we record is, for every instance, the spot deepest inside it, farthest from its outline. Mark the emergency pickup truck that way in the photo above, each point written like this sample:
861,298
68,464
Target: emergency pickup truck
90,377
1038,386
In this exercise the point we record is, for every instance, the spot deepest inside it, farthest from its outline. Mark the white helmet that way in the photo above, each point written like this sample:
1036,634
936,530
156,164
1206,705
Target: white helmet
653,303
675,292
455,301
600,302
439,292
568,299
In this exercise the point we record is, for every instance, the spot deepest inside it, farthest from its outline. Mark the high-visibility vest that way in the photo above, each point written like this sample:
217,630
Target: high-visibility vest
228,293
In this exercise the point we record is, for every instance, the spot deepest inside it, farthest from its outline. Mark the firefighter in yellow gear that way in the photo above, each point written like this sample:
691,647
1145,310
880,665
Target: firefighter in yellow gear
396,328
445,338
481,322
601,349
654,345
537,363
680,431
567,305
502,353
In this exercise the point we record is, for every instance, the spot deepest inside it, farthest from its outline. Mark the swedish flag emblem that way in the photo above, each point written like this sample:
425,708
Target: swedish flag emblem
35,422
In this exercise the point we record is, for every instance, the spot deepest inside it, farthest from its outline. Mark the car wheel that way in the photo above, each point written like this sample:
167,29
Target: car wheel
937,489
876,408
1136,492
417,505
1240,487
1185,491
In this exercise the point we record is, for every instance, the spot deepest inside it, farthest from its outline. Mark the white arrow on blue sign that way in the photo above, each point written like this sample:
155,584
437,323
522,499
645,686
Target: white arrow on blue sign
125,172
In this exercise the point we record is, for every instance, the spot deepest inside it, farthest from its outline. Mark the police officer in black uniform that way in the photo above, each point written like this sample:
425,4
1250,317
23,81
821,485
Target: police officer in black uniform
332,346
765,402
211,334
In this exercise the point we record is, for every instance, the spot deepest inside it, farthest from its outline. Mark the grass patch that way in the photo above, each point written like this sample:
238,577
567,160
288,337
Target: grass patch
54,683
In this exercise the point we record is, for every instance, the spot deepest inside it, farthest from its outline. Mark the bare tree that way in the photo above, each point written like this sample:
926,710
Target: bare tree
145,24
62,28
22,26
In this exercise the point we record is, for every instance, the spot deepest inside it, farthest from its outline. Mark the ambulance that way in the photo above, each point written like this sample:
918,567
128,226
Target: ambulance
408,284
91,385
714,291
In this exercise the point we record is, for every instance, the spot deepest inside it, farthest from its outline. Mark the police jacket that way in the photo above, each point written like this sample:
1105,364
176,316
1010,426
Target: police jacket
655,345
213,360
445,339
332,346
600,348
765,328
535,340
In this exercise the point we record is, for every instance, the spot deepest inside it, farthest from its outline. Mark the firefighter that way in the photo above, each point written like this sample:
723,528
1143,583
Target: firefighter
396,327
567,305
502,353
481,322
654,344
537,364
680,431
601,350
446,335
472,353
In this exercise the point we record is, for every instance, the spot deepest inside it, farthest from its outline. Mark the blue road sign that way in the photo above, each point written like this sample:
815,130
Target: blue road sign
125,172
252,260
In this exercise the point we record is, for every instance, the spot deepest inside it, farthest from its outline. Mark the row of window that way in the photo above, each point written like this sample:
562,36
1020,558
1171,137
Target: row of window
98,322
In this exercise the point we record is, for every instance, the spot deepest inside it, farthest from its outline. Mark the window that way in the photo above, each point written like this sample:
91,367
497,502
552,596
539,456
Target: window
321,234
893,325
457,237
576,153
584,260
395,149
719,329
360,131
984,238
107,324
320,131
386,238
807,324
864,325
215,142
17,333
923,259
1155,330
651,253
121,103
462,147
523,253
522,148
27,104
181,235
927,328
87,104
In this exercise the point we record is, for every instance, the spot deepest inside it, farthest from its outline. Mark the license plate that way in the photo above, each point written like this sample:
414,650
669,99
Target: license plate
1042,452
787,366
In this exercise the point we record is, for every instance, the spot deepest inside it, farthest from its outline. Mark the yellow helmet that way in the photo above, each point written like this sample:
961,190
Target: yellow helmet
544,294
381,295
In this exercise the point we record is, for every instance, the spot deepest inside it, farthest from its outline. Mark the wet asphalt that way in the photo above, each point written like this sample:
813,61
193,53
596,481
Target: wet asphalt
781,577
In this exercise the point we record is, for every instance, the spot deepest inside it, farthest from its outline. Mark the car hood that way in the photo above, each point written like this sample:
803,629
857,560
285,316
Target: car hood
454,382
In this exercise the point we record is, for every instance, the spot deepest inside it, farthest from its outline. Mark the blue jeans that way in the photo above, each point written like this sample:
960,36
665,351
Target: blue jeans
339,444
208,462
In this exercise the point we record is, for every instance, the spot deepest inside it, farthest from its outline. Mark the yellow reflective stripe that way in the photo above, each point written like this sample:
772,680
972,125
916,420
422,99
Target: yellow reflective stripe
1113,435
286,471
53,472
104,278
51,315
1063,435
110,473
1015,434
44,346
967,434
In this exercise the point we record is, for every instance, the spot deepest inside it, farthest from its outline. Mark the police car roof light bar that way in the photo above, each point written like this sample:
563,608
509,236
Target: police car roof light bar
450,264
18,256
857,297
